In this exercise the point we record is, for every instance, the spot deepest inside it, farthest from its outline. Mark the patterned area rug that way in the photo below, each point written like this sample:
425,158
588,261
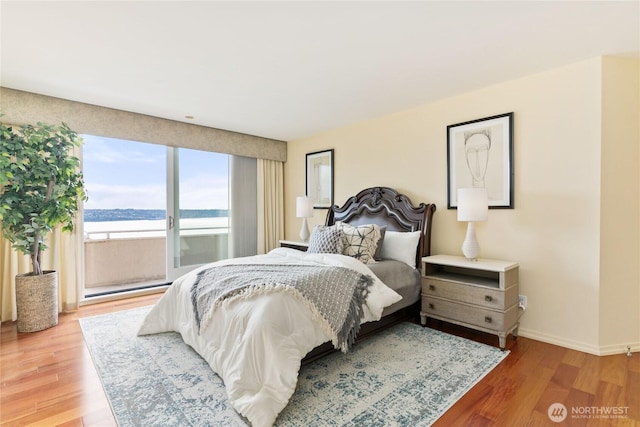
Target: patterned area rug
405,376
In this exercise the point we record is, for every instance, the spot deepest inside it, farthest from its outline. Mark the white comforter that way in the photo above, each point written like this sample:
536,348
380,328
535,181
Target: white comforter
256,345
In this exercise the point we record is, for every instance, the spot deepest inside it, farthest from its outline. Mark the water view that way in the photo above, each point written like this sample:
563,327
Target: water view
135,223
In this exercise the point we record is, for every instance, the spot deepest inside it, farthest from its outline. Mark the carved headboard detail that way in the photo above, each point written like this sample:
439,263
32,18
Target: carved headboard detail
385,206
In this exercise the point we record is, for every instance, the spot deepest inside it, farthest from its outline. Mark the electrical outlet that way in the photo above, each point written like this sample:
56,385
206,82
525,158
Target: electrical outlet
522,301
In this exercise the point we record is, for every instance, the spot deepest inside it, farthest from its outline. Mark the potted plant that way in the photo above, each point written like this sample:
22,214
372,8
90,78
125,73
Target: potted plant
42,187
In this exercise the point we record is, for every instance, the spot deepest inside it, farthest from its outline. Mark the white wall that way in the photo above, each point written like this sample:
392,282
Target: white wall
554,230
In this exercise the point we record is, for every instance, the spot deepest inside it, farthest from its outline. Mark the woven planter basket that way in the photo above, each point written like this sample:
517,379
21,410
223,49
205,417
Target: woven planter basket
37,301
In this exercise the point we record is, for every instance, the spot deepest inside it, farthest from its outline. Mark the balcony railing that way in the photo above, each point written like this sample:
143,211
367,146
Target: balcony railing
132,258
150,232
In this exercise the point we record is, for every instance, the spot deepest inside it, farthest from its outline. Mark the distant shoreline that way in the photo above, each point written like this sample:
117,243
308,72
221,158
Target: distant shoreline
107,215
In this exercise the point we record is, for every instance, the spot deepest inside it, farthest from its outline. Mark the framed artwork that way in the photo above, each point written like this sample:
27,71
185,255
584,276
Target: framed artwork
480,154
320,178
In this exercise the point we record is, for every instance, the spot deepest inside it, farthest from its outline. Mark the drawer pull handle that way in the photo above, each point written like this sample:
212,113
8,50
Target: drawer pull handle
488,319
488,298
432,288
431,306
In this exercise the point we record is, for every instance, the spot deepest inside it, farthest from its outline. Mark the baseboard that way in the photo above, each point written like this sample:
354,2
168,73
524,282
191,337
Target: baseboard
580,346
607,350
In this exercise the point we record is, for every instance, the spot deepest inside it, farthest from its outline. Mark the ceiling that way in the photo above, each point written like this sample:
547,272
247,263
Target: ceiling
286,70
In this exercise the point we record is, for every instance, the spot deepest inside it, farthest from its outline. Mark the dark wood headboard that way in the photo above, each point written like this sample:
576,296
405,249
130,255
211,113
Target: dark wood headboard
385,206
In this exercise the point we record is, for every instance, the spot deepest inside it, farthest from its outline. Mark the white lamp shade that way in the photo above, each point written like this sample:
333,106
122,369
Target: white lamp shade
473,204
304,207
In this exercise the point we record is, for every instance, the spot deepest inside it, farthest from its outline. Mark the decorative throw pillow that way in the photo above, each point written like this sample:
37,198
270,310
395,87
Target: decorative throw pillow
401,246
378,254
361,241
326,240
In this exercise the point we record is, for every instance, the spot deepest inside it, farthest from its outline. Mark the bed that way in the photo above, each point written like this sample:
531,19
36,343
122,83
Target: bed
386,207
258,334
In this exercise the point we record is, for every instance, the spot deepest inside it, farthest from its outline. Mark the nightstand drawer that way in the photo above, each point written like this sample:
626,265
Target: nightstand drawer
471,315
301,246
478,295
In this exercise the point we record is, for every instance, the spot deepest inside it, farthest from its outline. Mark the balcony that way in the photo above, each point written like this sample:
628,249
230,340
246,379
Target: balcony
132,258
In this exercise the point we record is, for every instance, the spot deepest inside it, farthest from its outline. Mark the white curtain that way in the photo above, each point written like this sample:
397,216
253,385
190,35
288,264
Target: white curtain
64,254
270,204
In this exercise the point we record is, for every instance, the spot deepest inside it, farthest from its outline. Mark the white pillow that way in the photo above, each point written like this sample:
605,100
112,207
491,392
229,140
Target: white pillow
401,246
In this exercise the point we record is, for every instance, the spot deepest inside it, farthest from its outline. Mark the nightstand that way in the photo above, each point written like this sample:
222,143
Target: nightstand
301,246
481,295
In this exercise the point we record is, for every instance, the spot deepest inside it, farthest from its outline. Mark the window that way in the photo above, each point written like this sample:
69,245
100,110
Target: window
130,240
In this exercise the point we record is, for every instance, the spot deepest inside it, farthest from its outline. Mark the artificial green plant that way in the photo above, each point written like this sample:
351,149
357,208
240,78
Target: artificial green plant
42,185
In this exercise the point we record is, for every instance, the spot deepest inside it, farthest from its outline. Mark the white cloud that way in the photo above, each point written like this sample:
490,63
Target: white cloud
102,196
102,150
128,161
204,191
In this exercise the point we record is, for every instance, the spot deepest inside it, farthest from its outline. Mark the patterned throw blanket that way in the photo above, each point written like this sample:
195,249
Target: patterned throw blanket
334,295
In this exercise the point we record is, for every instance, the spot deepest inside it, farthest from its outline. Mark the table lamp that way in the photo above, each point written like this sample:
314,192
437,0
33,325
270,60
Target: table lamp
304,210
473,205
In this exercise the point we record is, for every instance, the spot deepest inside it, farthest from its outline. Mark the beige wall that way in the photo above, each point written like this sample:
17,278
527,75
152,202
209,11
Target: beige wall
554,230
620,204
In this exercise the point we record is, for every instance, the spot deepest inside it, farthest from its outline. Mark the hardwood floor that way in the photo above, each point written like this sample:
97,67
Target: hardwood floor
47,379
535,375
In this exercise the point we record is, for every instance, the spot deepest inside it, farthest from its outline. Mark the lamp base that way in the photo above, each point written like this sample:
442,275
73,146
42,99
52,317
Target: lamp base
470,246
304,231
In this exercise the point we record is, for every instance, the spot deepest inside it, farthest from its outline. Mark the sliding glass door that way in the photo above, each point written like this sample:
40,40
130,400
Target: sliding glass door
197,209
153,213
125,215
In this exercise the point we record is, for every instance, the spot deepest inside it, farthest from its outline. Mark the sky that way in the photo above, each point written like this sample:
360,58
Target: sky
132,175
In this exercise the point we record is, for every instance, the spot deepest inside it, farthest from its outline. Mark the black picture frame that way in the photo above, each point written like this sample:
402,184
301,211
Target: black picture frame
480,154
319,178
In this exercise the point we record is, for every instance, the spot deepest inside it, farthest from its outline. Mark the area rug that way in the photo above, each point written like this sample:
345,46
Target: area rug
408,375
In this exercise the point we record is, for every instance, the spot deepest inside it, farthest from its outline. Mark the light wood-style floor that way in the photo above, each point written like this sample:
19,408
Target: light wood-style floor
47,379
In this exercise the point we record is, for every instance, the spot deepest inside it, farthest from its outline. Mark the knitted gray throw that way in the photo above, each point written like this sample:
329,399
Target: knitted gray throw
333,294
